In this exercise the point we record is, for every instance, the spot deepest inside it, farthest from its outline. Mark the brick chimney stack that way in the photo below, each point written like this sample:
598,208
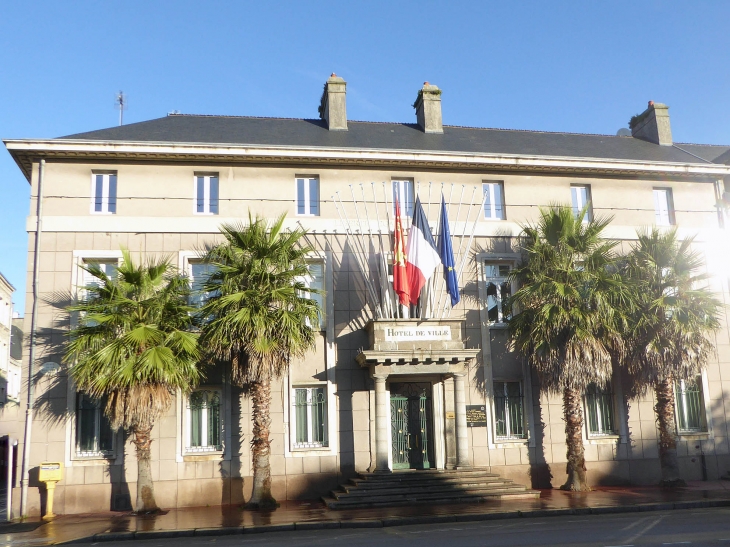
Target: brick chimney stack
333,106
428,109
652,125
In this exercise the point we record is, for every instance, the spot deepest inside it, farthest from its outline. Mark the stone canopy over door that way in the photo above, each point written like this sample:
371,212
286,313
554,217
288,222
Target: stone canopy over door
411,359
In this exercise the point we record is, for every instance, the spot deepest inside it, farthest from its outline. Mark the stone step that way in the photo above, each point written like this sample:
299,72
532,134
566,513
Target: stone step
426,491
432,486
333,503
368,484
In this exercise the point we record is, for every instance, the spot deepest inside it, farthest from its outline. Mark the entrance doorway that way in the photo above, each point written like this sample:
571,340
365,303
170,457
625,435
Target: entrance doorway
411,424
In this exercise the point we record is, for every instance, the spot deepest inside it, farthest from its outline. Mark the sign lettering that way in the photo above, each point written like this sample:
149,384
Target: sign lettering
408,334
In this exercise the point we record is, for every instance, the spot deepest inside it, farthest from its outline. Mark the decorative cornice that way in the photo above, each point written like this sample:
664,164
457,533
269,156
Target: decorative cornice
26,151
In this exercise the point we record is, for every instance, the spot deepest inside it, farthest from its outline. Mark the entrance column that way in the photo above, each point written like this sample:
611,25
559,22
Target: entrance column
381,426
462,441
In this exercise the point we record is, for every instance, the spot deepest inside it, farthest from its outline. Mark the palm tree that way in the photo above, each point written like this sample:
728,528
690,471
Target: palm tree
674,316
133,347
258,318
568,320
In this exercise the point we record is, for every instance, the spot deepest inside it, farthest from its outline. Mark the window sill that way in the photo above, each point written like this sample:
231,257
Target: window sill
82,461
310,451
203,456
603,439
510,443
487,219
694,435
195,213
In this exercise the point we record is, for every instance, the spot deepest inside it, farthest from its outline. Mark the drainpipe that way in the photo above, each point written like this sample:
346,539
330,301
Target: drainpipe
31,358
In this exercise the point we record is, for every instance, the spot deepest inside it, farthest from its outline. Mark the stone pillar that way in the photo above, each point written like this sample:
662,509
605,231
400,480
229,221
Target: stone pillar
450,422
462,441
382,427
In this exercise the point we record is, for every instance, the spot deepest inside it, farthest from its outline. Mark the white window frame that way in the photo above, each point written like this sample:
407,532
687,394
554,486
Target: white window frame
321,298
601,434
497,282
104,193
307,198
510,437
663,217
489,186
309,444
77,277
206,193
93,454
187,425
330,355
403,185
187,267
578,201
703,413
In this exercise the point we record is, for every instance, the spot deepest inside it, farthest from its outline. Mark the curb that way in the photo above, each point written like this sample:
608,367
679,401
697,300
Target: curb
397,521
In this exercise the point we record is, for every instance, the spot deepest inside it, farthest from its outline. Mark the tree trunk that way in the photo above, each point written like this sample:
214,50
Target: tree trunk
576,466
261,497
664,409
145,488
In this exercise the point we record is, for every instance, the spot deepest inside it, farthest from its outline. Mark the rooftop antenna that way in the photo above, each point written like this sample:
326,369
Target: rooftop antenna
120,101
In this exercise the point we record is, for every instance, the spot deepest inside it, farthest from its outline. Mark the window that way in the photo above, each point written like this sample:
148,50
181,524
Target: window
690,406
315,280
581,196
599,409
663,207
310,417
109,267
206,194
104,192
94,436
204,421
199,272
498,291
308,196
508,411
493,202
403,193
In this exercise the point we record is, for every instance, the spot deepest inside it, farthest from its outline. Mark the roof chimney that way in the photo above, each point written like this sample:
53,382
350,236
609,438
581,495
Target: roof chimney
428,109
652,125
332,106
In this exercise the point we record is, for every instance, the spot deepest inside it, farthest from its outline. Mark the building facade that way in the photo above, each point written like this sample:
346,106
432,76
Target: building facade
437,389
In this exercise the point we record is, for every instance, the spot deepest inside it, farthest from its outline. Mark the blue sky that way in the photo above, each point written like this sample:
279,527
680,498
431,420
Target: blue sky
556,66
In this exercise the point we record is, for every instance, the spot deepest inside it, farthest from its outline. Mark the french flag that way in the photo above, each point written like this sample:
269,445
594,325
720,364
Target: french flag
421,254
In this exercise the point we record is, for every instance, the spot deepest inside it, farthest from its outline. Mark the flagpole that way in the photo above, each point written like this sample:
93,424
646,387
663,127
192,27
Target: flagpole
387,302
440,284
365,254
396,299
468,245
366,277
458,215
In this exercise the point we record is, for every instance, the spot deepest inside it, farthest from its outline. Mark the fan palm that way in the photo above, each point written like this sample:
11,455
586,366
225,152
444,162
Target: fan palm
568,325
258,318
133,347
674,316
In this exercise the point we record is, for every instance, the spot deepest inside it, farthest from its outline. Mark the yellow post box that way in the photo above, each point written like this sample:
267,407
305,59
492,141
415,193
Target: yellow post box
50,473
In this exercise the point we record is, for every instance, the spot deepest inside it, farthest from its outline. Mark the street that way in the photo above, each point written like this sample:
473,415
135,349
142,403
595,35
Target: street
683,527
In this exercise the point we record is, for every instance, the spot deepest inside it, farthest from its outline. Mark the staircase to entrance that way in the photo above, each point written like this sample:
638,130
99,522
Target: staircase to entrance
430,486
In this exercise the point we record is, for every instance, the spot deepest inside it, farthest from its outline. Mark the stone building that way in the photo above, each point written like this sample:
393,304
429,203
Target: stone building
164,187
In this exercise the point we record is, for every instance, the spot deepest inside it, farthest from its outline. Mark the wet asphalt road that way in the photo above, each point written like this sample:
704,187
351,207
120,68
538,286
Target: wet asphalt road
701,527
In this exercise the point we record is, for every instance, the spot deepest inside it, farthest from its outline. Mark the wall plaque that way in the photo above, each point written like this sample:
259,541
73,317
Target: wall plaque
409,334
476,416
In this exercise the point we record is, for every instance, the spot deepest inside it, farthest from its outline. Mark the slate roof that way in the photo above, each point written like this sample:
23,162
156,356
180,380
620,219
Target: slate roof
177,128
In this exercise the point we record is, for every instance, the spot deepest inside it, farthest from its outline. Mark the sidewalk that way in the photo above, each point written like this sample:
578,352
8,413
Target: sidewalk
209,521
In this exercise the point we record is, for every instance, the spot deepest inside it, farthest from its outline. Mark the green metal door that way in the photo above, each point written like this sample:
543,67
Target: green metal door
411,425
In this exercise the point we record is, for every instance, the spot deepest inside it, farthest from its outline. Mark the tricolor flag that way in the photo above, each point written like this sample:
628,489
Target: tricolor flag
400,277
421,254
446,251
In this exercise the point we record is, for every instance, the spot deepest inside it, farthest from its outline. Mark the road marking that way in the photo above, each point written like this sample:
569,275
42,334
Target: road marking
635,523
678,543
630,545
646,529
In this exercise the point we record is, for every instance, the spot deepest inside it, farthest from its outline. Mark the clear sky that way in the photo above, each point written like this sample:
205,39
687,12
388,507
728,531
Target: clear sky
574,66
